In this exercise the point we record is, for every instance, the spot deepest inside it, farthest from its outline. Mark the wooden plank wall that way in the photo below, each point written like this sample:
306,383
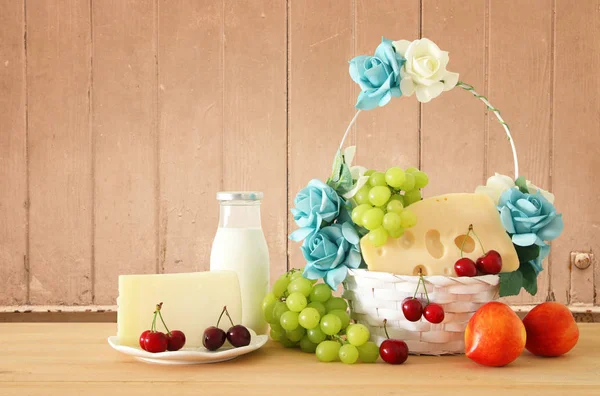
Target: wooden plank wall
120,120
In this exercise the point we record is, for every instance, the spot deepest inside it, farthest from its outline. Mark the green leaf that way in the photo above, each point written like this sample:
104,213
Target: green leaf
529,278
510,283
338,162
527,253
522,184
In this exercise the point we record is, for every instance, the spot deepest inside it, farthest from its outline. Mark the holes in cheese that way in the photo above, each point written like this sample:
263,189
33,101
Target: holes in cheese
432,244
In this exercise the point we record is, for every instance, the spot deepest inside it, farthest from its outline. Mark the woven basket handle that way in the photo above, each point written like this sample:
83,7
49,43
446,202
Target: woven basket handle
496,112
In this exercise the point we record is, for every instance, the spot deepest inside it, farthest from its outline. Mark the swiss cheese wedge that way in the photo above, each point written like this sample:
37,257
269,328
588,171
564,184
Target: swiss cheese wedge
433,245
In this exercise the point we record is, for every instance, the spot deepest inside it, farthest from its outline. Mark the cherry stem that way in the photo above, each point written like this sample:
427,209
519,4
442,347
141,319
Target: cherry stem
163,322
424,287
385,328
227,313
418,283
478,240
220,316
465,240
153,325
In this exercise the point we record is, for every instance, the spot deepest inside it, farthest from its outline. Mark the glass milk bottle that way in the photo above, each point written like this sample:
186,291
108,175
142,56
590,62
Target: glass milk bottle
240,246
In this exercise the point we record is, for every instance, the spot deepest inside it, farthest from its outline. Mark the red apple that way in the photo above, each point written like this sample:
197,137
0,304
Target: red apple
490,263
551,330
495,336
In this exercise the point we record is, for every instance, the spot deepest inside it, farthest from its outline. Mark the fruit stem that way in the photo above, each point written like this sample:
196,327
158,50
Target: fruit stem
385,328
227,313
424,287
418,283
153,325
478,240
163,321
220,316
462,246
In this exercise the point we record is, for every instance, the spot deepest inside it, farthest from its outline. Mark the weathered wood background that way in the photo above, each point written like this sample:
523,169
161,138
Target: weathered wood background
120,119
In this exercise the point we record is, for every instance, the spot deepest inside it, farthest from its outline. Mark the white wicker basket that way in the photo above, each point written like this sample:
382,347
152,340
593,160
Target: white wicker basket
375,296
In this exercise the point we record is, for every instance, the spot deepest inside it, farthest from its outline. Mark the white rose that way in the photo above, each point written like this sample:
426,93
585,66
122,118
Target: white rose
498,183
424,71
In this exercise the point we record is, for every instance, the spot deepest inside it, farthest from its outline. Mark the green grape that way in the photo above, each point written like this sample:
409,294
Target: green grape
320,293
358,212
392,221
295,275
379,195
286,342
410,197
348,354
396,233
280,286
268,312
343,315
362,195
296,302
369,172
397,197
395,207
276,326
279,309
412,169
269,298
306,345
372,218
378,237
331,324
319,306
409,182
358,334
368,352
409,219
336,303
316,335
421,179
328,351
296,334
289,320
309,318
300,285
275,334
394,177
377,179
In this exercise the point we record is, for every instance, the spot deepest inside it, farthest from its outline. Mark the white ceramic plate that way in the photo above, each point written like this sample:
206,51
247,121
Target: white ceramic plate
191,355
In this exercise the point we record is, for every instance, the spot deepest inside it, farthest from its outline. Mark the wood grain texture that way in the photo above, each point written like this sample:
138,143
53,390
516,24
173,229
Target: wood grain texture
254,132
59,148
524,101
576,148
190,128
321,94
57,362
13,156
453,126
125,140
387,136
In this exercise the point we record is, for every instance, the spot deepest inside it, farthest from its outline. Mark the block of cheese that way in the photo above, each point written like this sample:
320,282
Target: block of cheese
191,303
433,245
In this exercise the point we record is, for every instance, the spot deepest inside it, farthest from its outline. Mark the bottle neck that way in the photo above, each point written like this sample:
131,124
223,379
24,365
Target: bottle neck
239,214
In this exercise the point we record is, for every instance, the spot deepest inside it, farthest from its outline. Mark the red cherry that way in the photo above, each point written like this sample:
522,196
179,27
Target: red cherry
156,342
434,313
143,337
412,309
213,338
490,263
465,267
238,336
393,351
175,340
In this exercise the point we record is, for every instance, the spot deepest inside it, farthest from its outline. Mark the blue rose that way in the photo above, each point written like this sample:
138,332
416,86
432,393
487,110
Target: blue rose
378,76
530,219
329,253
314,204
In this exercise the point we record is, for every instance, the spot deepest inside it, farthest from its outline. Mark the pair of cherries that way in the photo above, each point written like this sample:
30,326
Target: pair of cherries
156,341
214,337
488,264
413,308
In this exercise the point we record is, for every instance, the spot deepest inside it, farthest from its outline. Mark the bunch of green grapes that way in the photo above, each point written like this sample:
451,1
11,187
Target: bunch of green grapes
380,204
304,314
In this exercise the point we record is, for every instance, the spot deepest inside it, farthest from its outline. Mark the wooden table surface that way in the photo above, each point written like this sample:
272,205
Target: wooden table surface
74,359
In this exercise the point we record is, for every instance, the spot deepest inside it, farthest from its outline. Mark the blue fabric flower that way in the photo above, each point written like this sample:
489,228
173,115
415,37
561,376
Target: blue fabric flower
314,204
530,219
329,253
378,76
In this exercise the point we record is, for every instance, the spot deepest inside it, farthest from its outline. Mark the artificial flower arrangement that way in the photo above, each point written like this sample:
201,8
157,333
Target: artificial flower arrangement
362,228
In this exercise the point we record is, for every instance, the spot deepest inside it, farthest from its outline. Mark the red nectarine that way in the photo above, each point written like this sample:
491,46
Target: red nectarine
551,330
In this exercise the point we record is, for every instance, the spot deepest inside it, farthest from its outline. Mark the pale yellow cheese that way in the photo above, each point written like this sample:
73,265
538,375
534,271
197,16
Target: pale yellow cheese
191,303
433,245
